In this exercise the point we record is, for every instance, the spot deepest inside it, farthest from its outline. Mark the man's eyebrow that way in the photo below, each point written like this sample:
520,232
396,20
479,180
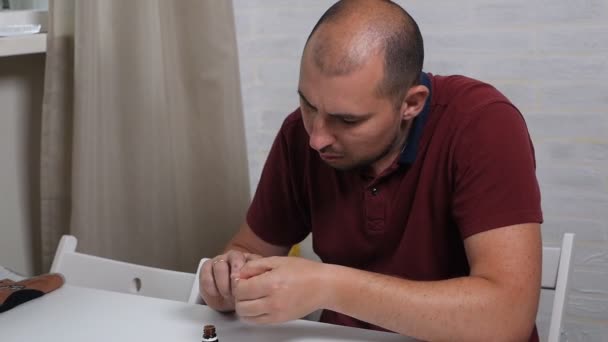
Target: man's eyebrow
340,115
306,100
351,116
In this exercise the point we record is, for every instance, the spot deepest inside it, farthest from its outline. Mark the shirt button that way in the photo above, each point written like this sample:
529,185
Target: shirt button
374,191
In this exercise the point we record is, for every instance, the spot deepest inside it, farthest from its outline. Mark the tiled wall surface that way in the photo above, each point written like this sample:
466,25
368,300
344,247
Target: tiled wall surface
550,57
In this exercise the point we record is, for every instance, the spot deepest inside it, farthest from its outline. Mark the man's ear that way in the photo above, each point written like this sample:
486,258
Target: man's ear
413,102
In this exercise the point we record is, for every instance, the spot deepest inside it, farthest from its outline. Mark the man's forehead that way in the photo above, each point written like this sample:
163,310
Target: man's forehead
336,51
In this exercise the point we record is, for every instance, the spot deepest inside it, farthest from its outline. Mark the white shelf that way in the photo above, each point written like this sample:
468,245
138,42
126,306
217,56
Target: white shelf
22,45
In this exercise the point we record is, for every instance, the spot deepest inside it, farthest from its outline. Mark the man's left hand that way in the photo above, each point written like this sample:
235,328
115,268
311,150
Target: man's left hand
279,289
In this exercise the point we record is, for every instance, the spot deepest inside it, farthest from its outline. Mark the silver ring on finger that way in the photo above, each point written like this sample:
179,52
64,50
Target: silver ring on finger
218,260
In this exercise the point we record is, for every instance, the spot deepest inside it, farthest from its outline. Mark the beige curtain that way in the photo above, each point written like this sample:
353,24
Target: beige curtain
143,146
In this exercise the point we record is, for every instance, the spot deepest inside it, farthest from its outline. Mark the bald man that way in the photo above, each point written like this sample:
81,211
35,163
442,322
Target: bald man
419,191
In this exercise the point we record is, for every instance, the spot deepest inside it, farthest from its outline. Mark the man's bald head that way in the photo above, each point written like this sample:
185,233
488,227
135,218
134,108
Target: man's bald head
352,31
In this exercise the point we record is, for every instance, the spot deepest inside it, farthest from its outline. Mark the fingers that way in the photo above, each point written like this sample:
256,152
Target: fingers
256,267
250,257
207,280
251,308
217,274
236,260
225,268
275,289
239,263
259,311
253,288
221,274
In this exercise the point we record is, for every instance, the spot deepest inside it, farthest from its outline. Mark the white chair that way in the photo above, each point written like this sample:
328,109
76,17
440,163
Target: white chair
555,273
95,272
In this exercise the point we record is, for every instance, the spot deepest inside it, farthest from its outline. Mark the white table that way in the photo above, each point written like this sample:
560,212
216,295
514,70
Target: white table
82,314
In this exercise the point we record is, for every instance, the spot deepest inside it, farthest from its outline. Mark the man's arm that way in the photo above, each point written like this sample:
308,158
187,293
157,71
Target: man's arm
215,284
498,301
247,241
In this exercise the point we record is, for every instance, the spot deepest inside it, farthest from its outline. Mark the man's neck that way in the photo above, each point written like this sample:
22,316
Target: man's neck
381,165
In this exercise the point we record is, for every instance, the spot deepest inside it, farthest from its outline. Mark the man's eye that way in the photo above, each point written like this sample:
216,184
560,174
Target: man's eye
349,121
307,106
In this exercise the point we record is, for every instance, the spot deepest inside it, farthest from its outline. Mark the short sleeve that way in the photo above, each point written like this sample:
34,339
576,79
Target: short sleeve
495,181
277,213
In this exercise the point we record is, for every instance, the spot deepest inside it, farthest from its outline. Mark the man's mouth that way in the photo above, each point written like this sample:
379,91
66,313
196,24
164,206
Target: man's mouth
329,156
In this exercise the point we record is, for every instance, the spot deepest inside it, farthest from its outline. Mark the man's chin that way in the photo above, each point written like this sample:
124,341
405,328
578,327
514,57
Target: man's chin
343,166
336,164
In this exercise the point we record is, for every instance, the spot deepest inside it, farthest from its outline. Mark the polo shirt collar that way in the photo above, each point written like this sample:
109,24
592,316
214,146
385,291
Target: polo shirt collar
408,155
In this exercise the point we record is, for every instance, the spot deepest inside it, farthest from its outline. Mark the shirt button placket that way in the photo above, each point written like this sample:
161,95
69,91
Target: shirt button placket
375,209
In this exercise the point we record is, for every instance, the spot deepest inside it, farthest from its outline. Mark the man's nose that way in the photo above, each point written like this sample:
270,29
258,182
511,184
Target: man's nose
320,135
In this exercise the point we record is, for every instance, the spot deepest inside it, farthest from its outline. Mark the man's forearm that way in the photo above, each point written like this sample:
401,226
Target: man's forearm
247,241
468,308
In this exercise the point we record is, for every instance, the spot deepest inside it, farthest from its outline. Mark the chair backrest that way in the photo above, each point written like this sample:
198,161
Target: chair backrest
555,273
95,272
195,297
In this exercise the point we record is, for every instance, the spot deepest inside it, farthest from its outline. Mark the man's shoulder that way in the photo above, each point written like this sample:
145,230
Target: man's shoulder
292,135
292,128
462,100
466,108
463,91
293,121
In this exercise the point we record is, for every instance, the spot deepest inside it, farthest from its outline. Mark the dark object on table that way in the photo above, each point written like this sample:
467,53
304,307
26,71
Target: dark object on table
209,334
14,293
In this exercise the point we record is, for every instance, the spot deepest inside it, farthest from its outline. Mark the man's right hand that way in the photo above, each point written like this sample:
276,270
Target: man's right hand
217,277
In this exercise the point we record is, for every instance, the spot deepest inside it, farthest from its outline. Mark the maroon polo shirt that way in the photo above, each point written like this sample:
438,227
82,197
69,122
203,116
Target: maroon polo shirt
468,167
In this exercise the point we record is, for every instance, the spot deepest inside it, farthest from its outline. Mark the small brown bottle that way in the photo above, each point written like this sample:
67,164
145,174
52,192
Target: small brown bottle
209,334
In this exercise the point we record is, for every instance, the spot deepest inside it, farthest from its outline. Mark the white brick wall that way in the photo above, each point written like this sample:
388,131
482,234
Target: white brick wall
548,56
